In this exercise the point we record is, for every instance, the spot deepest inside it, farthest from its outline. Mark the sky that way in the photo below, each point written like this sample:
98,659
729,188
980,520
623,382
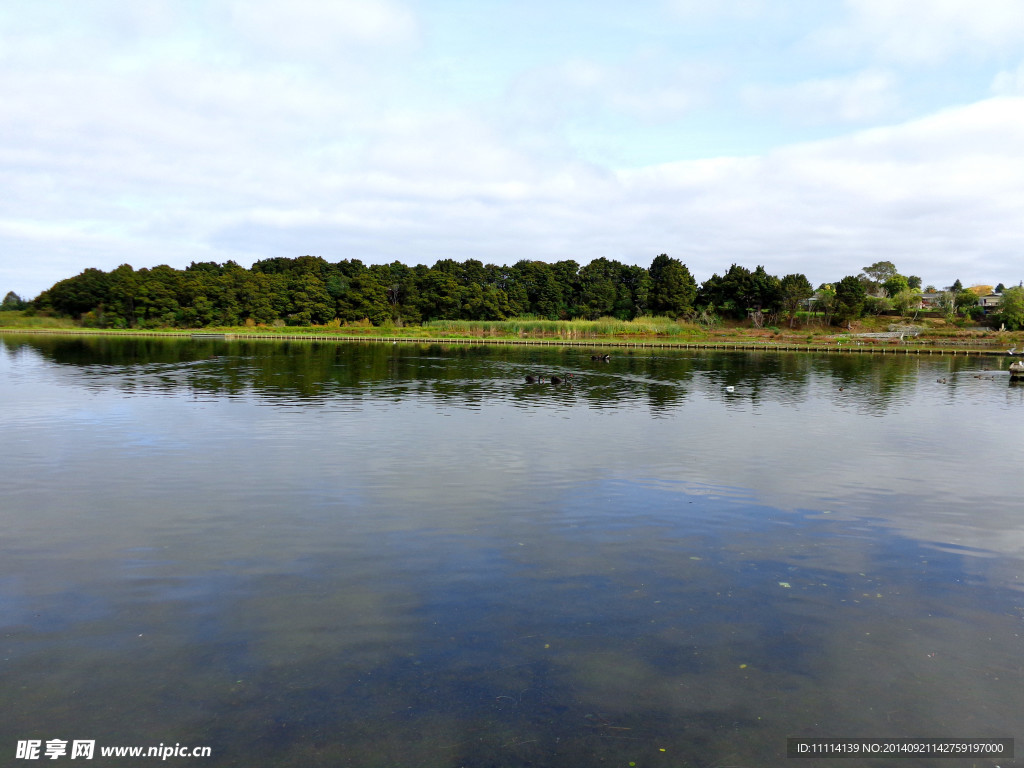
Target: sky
811,136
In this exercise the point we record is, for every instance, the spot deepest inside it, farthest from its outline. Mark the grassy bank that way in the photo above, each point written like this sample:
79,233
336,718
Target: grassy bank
18,319
518,328
929,333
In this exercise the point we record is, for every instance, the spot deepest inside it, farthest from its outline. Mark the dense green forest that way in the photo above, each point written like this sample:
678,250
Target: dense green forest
309,290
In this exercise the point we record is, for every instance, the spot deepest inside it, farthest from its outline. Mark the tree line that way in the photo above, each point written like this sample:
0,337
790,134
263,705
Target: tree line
309,290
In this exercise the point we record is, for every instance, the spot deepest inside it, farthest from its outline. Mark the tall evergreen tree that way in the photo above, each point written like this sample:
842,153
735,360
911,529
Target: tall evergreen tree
673,288
12,301
850,295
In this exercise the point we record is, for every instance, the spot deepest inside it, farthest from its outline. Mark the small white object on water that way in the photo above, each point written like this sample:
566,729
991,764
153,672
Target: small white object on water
730,389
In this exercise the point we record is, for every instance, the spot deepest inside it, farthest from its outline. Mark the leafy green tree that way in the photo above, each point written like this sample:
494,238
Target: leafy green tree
850,295
728,294
895,284
400,285
438,295
309,290
966,299
367,298
673,289
227,296
767,298
796,289
538,289
740,292
498,276
449,267
955,299
279,265
1011,309
633,294
515,289
907,300
80,294
195,307
874,277
880,271
876,305
566,274
12,301
123,285
825,301
156,300
263,297
476,298
205,267
355,292
598,288
483,302
311,303
472,272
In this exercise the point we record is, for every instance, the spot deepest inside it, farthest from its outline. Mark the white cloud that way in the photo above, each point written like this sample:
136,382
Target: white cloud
647,87
929,32
858,98
171,135
1009,82
938,196
930,195
702,9
643,89
299,27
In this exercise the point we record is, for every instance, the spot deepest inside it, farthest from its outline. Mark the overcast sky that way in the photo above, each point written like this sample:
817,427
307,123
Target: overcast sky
814,136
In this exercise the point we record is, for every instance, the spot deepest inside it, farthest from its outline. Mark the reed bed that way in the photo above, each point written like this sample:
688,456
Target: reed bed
539,328
18,319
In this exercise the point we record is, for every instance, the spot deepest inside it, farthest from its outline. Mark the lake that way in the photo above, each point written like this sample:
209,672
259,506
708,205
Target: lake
320,554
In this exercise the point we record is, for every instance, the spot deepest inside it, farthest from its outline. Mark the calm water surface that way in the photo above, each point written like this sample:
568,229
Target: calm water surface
399,555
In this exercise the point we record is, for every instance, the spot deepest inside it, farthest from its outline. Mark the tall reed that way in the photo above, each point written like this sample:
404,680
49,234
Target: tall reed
538,328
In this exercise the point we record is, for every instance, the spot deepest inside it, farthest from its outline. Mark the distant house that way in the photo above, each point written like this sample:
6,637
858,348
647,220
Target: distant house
930,300
990,303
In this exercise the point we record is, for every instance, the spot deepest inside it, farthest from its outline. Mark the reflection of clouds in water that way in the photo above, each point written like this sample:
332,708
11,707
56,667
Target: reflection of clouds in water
432,559
852,640
342,621
787,431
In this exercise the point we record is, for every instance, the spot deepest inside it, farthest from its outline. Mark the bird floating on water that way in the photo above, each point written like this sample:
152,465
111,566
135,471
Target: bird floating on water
531,379
730,389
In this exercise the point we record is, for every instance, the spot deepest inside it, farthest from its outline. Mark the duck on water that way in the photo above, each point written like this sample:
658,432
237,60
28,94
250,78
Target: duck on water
531,379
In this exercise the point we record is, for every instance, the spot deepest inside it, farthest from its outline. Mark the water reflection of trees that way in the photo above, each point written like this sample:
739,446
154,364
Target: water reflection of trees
298,372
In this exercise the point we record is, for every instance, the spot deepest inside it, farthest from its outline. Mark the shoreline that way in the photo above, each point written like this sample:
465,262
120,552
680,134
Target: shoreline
843,345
